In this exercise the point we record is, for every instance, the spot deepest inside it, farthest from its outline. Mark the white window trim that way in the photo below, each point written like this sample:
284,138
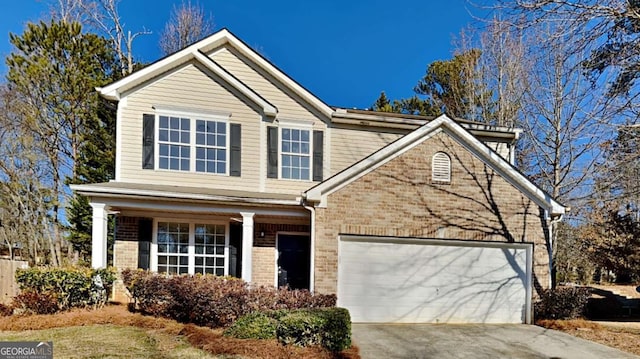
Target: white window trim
193,117
192,239
295,125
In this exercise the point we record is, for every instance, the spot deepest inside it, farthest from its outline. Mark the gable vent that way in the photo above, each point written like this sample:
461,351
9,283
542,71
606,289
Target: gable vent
441,168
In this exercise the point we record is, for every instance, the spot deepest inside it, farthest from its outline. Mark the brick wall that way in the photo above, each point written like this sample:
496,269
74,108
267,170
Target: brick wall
399,199
125,252
264,265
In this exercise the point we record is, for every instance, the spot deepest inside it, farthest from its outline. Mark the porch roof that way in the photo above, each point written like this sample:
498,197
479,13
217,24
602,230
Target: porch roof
155,192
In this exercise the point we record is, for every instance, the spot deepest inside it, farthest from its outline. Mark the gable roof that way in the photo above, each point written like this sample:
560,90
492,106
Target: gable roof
196,51
460,135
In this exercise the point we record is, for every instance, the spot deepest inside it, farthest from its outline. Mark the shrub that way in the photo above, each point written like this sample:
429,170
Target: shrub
149,292
562,303
301,328
206,300
211,300
326,327
72,287
5,310
30,302
257,325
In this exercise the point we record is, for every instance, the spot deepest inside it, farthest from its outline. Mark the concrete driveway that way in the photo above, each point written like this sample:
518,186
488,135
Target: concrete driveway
474,341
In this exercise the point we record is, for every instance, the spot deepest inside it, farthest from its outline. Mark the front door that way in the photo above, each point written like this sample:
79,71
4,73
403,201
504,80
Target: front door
294,261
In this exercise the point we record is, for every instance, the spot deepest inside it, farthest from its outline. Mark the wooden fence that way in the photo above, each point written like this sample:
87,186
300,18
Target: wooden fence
8,285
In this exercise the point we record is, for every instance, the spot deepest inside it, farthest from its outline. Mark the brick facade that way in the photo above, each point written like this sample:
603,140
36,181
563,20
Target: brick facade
399,199
264,265
264,247
125,252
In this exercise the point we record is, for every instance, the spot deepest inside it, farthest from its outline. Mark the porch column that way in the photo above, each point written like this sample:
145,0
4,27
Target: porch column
247,244
99,235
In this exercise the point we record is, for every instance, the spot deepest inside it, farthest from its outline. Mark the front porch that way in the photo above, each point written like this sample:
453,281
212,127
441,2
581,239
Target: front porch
230,236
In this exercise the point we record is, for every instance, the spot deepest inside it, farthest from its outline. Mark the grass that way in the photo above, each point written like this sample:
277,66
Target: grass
110,341
623,336
114,332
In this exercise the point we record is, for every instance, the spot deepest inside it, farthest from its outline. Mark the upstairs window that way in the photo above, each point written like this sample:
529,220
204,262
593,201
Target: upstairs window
174,136
295,151
441,168
192,144
211,146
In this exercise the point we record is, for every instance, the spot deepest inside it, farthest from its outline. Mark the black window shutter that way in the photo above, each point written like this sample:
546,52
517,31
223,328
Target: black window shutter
148,131
272,152
145,234
317,155
235,166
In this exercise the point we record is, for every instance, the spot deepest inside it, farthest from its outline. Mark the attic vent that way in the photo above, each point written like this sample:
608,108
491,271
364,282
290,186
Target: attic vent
441,168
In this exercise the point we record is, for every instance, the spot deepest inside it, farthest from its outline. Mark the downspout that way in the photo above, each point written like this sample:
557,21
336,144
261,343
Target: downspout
312,240
552,223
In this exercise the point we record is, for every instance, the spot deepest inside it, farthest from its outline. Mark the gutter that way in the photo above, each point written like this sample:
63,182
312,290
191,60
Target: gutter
554,220
312,239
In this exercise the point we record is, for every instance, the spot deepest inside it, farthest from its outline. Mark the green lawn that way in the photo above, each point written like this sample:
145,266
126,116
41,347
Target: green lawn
110,341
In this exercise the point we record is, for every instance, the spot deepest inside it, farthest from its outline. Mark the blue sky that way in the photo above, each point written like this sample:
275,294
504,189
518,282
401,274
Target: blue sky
345,52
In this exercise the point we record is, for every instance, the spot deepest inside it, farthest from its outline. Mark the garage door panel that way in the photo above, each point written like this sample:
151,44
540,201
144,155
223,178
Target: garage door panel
399,282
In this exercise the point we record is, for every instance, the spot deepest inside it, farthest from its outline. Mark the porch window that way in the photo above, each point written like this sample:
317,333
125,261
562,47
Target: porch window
296,154
191,248
192,144
210,245
173,247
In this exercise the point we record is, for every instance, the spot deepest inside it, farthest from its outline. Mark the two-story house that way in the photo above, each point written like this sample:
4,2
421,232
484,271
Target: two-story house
225,165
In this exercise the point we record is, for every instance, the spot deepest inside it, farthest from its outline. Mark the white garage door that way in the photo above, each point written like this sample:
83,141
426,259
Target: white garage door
382,280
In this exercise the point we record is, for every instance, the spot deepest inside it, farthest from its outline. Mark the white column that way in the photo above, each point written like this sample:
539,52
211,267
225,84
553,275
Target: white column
247,244
99,235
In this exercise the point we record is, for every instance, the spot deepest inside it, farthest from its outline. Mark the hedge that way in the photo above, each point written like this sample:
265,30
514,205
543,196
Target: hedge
209,300
562,303
45,290
326,327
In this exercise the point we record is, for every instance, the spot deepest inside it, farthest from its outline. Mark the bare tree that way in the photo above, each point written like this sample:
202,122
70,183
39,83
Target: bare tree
605,30
103,17
565,117
26,199
498,76
188,24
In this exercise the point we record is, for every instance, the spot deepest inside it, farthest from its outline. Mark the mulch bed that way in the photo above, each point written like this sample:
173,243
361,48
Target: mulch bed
210,340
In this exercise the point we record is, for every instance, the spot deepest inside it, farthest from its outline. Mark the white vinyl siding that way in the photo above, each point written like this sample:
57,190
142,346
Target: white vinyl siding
188,88
349,146
441,168
192,87
288,105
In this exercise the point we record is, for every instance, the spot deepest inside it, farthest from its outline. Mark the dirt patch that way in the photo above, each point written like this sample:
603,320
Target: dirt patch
210,340
625,338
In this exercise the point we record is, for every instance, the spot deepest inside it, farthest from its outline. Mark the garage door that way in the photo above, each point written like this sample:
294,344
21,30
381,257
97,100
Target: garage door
382,280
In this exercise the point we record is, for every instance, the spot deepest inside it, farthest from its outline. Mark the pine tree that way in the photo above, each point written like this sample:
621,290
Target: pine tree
54,68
